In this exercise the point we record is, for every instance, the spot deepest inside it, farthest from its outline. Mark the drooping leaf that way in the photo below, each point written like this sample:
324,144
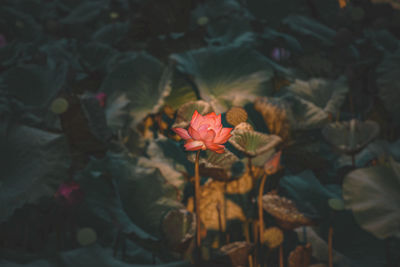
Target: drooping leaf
253,143
373,196
226,76
33,163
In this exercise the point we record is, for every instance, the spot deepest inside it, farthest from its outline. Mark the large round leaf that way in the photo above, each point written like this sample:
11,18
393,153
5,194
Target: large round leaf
32,163
253,143
373,194
226,76
351,136
32,84
327,95
142,79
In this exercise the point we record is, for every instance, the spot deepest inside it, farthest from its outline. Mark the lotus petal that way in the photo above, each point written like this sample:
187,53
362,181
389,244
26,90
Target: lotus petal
226,76
350,137
253,143
373,194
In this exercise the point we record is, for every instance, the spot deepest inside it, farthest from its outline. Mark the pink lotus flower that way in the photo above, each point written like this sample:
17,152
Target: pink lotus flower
102,97
205,132
69,193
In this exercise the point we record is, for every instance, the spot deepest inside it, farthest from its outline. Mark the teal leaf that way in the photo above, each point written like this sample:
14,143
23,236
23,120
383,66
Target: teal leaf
226,76
33,163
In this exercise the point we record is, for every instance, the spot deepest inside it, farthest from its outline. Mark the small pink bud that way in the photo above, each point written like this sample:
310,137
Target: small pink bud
102,98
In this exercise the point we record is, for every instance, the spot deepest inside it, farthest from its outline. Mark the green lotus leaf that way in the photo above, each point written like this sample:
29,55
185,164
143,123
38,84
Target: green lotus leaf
253,143
111,33
304,115
168,167
352,136
327,95
96,117
215,165
180,95
144,81
310,27
34,85
226,76
382,39
23,25
186,111
373,194
33,164
85,12
388,83
291,42
117,113
379,150
95,56
178,227
146,196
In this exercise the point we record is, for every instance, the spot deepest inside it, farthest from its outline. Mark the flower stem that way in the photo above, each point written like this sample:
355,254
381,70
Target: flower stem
330,255
281,255
260,209
197,198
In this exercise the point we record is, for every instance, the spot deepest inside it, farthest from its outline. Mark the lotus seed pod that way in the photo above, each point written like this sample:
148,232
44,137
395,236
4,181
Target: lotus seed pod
273,237
236,115
59,105
86,236
244,126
